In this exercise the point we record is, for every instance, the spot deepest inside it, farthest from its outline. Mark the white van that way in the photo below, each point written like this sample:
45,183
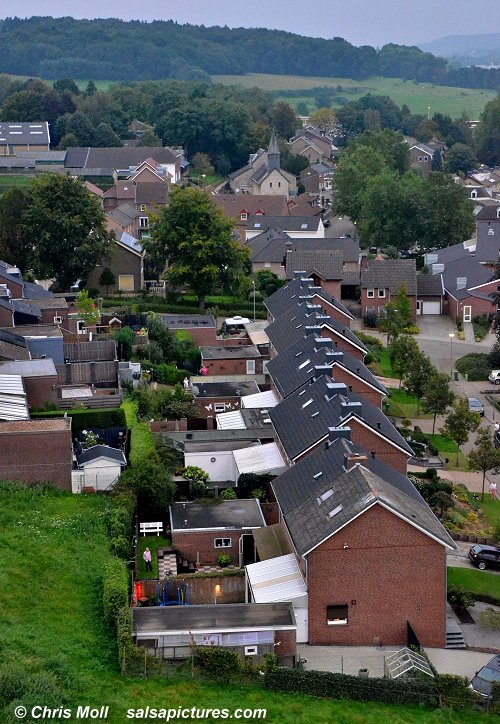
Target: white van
494,377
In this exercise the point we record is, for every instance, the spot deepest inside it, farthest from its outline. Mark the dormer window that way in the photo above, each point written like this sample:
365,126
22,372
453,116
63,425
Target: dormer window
243,216
473,194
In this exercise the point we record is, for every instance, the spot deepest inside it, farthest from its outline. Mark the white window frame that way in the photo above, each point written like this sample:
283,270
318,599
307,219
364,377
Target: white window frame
267,264
370,293
219,406
243,216
250,367
225,543
122,287
340,621
381,293
58,320
80,327
251,650
143,222
143,207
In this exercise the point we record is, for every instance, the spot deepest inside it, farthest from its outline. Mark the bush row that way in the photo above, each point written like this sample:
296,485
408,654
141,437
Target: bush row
244,309
114,592
441,691
168,374
85,419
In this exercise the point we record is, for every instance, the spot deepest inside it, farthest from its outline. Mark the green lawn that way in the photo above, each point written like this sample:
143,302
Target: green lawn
381,364
153,542
9,182
479,582
448,449
417,96
54,548
401,404
141,443
491,509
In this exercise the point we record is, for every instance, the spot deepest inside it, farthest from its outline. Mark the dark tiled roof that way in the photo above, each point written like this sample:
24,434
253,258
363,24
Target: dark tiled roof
392,274
99,351
239,352
22,306
429,285
124,214
286,223
305,319
303,418
346,494
234,204
489,213
121,157
465,294
225,389
180,321
230,514
289,296
326,264
289,370
469,269
35,291
100,451
34,133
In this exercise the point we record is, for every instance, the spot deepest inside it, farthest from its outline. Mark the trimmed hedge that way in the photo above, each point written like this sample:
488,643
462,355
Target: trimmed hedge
217,661
438,692
115,592
85,419
151,304
477,366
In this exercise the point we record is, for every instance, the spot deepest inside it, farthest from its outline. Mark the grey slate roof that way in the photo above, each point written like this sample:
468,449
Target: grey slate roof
97,351
288,370
390,273
228,515
29,368
326,264
303,418
289,295
225,389
33,133
170,619
23,306
286,223
124,214
100,451
302,319
475,273
299,490
35,291
121,157
489,213
181,321
429,285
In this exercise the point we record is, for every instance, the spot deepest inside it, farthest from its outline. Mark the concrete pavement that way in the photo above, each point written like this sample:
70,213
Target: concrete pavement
460,663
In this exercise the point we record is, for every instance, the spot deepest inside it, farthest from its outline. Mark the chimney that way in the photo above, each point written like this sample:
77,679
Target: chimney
305,281
350,406
334,433
299,275
335,356
351,459
322,370
323,342
337,387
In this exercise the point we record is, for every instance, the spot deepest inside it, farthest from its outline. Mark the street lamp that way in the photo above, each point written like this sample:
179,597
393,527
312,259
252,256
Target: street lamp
451,335
253,284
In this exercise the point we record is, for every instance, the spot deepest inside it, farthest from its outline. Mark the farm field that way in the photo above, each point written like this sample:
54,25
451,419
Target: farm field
417,96
9,182
56,650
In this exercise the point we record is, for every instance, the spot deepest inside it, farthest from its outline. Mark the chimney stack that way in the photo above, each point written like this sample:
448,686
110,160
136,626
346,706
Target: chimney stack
351,459
323,342
334,433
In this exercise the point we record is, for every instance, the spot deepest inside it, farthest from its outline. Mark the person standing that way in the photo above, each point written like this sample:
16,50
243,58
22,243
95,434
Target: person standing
147,558
493,490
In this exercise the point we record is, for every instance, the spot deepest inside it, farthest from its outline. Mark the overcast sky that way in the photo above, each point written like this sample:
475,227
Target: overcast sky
371,22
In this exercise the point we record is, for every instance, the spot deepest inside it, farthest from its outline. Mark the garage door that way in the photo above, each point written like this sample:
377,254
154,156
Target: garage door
431,308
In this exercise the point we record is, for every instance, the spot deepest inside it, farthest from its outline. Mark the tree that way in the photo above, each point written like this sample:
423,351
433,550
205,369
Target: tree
448,213
195,238
485,456
87,308
441,500
460,422
402,351
460,158
396,315
417,376
354,171
152,483
159,333
125,338
437,397
284,119
68,229
150,139
15,245
488,133
105,136
437,160
107,279
390,144
66,84
91,88
324,118
201,164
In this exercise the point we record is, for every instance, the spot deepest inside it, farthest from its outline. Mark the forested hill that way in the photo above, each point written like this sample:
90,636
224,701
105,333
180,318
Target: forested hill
117,50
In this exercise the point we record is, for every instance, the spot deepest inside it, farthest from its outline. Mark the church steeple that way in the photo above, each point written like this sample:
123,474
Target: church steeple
273,154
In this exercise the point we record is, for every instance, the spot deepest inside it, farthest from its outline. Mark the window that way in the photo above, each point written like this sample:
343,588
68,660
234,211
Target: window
143,222
336,615
219,407
279,184
381,293
243,216
420,159
143,207
58,320
250,650
370,310
80,327
473,194
491,232
126,282
370,293
250,366
270,184
426,158
222,542
267,264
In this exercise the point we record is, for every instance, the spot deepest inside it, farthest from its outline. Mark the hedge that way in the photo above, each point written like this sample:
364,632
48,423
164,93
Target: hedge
477,366
440,691
115,592
244,309
85,419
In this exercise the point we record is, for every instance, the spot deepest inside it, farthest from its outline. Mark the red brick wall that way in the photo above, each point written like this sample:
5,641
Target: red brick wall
355,384
36,457
271,513
204,336
286,644
478,306
190,545
379,303
333,311
15,288
231,366
202,403
392,571
332,286
5,317
342,343
49,314
384,450
40,390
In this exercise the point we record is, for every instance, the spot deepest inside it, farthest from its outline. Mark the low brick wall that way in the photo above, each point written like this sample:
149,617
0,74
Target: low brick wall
203,589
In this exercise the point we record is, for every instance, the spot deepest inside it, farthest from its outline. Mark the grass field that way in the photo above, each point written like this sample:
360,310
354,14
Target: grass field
417,96
53,551
401,404
9,182
448,449
479,582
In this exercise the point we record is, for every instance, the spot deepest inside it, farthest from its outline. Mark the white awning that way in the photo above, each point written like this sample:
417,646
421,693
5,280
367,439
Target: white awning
13,402
260,459
275,580
259,400
230,421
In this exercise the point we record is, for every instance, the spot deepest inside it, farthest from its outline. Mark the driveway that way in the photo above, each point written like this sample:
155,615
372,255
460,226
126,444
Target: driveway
460,559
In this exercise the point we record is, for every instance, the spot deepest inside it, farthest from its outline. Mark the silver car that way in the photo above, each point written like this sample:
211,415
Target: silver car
475,405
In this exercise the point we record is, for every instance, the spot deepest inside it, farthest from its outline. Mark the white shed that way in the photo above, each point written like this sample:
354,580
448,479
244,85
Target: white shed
102,466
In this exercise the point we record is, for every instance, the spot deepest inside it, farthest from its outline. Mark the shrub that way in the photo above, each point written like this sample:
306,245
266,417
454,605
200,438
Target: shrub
412,329
224,560
461,493
169,374
115,592
460,598
228,494
370,321
477,366
217,661
369,341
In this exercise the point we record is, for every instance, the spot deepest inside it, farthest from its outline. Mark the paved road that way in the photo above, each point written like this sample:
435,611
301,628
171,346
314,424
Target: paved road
460,559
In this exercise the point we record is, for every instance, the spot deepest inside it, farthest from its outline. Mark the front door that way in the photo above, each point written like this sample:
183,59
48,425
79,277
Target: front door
250,366
467,314
419,306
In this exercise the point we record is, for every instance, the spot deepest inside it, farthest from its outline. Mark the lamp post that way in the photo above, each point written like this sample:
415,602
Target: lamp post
253,284
451,335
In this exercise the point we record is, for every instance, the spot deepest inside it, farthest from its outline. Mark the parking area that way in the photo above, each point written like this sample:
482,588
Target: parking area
460,558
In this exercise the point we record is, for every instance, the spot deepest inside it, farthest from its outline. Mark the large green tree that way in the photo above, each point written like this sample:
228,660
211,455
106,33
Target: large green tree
437,396
485,456
390,144
16,246
488,133
67,226
417,376
460,158
402,351
195,238
460,422
354,171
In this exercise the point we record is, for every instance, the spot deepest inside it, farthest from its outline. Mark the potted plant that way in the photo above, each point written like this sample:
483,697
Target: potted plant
363,673
223,560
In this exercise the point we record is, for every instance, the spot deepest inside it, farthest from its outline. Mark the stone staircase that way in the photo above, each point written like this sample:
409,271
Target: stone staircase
454,636
167,562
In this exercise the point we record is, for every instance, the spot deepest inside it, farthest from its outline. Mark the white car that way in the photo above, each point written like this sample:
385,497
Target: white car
494,377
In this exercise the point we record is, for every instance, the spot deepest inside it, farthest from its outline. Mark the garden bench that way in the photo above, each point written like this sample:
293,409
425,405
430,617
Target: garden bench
151,528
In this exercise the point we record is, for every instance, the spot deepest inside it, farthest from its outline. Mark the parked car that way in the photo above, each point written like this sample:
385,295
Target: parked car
485,556
494,377
483,680
475,405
